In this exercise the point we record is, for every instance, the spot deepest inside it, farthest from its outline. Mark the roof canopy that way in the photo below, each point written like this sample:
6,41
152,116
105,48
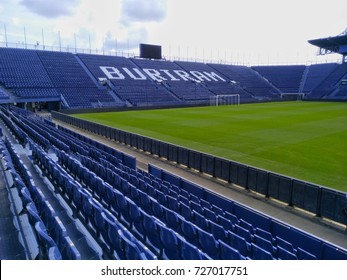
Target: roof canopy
337,44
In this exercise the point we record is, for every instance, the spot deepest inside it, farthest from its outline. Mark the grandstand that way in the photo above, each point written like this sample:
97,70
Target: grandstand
68,195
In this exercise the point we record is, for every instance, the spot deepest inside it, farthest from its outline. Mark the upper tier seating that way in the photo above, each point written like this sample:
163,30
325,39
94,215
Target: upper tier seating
22,73
249,80
214,81
184,85
286,78
72,81
134,87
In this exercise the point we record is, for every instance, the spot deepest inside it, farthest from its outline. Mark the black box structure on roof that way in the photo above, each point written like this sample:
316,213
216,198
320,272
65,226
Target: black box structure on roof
150,51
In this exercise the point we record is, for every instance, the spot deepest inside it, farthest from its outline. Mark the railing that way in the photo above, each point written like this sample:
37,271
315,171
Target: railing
321,201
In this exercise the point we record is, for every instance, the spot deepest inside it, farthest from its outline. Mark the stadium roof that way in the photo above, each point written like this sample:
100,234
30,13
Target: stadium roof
337,44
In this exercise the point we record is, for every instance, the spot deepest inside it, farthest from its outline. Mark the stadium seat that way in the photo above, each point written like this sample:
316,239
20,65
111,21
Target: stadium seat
172,219
283,254
228,253
258,253
208,243
191,252
151,226
218,232
45,242
200,221
303,255
69,250
171,243
239,243
225,223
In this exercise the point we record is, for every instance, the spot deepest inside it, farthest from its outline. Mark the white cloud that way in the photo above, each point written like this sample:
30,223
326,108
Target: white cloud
50,9
134,11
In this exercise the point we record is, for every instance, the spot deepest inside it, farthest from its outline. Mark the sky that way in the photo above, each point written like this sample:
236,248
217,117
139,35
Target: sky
228,31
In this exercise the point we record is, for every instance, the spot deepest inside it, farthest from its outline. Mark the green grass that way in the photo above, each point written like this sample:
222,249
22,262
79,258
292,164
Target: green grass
305,140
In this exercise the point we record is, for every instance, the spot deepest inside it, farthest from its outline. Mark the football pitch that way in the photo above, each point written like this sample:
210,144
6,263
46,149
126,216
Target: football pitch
304,140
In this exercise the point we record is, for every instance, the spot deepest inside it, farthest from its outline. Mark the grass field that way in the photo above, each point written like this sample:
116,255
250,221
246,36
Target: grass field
305,140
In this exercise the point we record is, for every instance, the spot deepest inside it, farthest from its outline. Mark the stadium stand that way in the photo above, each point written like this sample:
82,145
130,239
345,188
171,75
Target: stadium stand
182,84
215,82
331,85
286,78
75,81
249,80
132,87
72,81
80,199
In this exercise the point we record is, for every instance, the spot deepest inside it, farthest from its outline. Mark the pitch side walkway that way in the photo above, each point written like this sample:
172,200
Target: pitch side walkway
331,232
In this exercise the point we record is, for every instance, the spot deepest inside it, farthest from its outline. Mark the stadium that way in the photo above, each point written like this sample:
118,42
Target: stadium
123,158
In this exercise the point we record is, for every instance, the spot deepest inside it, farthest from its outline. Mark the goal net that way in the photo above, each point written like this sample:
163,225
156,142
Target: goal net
225,99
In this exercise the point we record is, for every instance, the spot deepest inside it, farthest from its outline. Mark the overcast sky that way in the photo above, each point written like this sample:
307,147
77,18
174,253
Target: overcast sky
240,31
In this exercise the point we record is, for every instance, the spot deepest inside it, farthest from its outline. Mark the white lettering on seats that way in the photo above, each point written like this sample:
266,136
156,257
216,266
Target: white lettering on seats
154,75
140,76
112,73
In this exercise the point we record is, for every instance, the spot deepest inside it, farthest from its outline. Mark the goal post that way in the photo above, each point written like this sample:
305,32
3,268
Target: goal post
225,99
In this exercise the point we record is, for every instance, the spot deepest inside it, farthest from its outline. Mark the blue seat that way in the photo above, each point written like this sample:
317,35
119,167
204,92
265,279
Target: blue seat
69,250
264,244
247,226
200,221
54,254
45,242
109,198
284,254
25,195
225,223
120,204
265,234
205,204
304,255
183,199
228,253
145,201
243,233
171,243
208,244
284,244
87,209
47,213
172,203
151,226
218,232
217,210
58,231
100,188
189,231
161,198
196,207
191,252
125,187
232,218
131,250
239,243
97,221
258,253
110,234
134,194
136,219
172,219
33,213
186,212
210,215
157,210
